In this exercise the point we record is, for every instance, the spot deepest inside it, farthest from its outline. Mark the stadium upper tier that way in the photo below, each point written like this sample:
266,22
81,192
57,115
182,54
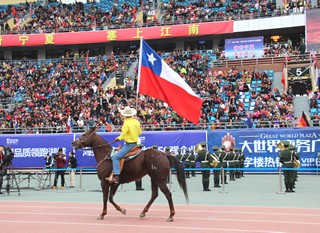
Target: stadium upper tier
54,17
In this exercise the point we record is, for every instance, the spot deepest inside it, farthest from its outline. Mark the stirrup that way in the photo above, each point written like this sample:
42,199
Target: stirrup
109,178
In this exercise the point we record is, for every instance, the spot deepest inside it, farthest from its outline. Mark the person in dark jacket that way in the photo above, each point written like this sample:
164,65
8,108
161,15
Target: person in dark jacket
286,158
302,50
72,163
49,161
204,159
61,164
216,173
2,168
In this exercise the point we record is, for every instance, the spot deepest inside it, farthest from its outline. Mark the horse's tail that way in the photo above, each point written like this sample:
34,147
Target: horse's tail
175,163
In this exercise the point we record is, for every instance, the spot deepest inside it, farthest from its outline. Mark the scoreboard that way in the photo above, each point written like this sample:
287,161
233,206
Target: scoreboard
298,72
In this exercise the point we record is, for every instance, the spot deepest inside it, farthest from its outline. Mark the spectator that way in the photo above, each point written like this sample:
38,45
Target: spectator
72,163
302,50
60,166
49,161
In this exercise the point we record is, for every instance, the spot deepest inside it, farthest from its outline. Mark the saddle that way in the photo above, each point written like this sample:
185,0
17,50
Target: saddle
132,153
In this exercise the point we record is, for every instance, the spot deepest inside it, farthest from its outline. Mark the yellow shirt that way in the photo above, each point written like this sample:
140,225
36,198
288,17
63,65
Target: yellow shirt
131,130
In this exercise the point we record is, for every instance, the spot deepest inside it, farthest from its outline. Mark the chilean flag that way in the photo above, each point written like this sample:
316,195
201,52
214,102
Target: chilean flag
156,79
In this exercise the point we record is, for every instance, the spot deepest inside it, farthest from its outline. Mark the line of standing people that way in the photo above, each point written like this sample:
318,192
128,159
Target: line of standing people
219,158
59,161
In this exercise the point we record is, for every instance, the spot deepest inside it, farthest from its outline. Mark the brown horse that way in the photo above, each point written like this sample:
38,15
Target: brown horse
153,162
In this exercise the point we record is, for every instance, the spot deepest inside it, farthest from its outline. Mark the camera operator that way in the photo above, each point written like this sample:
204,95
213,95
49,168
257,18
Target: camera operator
61,164
2,167
72,163
6,156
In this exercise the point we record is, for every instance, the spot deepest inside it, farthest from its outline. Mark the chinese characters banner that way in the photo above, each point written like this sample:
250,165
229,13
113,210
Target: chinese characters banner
30,149
312,30
259,145
161,32
248,47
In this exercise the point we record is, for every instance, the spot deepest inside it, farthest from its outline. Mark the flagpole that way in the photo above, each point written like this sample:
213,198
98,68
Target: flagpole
139,71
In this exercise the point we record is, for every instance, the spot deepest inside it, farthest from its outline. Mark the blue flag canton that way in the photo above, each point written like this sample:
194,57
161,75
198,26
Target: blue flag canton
151,59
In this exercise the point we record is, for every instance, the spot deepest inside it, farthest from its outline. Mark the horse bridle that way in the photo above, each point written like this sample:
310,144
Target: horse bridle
80,142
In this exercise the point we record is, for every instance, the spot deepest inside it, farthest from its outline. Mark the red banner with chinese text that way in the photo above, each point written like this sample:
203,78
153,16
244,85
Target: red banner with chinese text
129,34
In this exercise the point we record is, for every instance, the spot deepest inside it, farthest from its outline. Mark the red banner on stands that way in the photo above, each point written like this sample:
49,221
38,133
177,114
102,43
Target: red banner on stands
129,34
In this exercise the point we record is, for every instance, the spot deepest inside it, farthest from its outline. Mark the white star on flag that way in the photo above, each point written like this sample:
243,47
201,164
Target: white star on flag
158,80
151,58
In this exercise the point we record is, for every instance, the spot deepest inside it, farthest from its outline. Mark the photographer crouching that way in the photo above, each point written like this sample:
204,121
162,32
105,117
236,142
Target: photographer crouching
60,165
6,156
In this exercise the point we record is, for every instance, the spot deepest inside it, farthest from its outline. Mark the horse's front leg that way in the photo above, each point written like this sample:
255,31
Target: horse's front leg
105,189
112,193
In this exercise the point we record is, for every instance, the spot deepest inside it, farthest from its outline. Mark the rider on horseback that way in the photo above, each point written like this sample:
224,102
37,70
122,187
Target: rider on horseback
130,132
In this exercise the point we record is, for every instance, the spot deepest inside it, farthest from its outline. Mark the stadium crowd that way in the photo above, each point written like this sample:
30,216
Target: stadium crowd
55,17
56,95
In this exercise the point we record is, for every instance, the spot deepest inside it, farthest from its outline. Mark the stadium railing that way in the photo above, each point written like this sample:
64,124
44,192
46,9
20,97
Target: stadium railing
154,127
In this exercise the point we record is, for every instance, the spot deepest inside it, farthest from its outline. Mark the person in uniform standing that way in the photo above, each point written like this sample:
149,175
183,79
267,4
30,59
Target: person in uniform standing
193,160
223,157
204,159
139,185
187,163
216,173
237,162
295,155
241,161
168,152
286,158
179,156
232,163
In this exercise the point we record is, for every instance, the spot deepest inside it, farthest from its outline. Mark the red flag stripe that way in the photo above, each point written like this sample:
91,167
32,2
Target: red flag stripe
186,105
158,80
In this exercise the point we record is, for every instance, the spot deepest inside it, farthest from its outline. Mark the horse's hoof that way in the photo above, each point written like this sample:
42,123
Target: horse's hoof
170,220
123,211
100,218
142,215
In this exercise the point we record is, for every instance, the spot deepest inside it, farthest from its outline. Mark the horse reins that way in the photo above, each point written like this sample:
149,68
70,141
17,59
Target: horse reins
104,159
99,146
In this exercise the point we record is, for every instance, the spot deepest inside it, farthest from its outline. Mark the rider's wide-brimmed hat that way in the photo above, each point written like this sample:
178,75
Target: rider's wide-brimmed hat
128,112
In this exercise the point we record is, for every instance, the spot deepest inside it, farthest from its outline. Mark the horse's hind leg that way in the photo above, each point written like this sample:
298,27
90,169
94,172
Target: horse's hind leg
164,188
112,193
105,190
154,195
